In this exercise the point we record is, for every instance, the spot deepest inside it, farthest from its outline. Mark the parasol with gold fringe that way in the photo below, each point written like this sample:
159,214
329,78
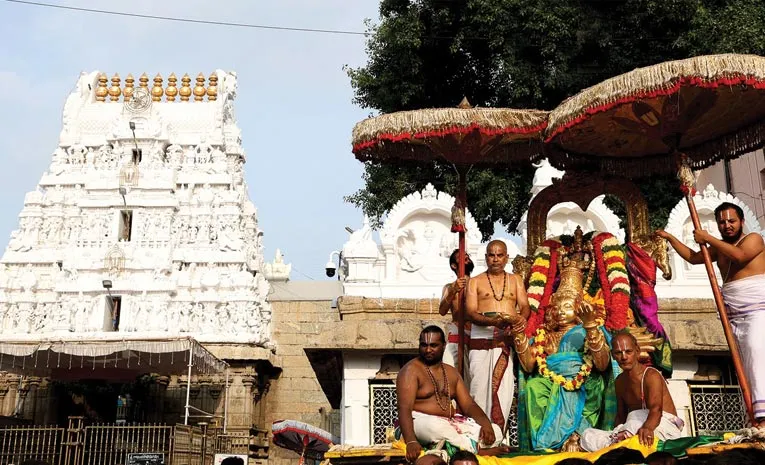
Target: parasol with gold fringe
684,114
463,137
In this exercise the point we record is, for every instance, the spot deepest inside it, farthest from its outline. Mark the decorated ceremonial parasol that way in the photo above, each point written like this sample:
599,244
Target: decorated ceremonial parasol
463,137
309,441
671,117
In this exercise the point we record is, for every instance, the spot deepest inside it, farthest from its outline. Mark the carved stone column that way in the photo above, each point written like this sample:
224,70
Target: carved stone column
3,391
158,394
34,402
244,401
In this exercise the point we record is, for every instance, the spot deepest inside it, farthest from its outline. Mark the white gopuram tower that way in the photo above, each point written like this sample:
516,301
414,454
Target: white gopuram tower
141,228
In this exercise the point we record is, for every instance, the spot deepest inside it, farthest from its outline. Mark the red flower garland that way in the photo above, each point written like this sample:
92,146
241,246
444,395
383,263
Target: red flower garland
536,319
617,303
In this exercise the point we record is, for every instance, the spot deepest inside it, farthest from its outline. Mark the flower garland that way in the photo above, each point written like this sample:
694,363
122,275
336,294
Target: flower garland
612,270
541,281
568,384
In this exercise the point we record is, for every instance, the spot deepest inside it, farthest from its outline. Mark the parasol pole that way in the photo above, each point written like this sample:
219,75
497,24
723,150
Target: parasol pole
462,202
687,180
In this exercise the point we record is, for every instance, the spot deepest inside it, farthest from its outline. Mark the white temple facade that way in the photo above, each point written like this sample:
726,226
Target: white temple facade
142,225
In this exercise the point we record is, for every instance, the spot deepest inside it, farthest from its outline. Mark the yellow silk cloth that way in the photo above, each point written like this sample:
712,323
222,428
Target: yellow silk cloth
552,459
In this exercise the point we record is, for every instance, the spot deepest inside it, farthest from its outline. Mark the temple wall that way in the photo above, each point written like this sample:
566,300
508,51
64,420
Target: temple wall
296,393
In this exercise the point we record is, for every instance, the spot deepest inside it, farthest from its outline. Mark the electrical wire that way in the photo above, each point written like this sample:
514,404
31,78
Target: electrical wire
189,20
595,70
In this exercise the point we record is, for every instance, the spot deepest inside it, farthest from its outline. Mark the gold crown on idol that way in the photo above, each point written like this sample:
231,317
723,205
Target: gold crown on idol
572,264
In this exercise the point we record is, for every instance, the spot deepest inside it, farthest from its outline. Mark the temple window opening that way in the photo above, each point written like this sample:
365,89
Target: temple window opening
383,410
112,313
716,403
125,225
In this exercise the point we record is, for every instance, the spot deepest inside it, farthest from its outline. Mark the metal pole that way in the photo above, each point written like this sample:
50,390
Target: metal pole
188,384
225,404
462,195
686,177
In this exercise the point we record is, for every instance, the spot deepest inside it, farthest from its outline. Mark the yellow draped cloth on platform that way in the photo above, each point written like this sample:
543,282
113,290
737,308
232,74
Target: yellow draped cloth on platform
552,459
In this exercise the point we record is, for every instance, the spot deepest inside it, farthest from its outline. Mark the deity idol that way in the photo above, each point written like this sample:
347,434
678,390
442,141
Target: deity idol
567,379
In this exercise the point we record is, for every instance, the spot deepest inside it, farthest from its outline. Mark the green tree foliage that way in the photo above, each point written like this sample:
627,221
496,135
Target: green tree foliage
526,54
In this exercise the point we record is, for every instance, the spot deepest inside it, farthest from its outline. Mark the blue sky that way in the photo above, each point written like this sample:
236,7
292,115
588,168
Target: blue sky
293,104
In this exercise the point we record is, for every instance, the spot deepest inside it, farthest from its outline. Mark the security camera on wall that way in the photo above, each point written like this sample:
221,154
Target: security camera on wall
330,269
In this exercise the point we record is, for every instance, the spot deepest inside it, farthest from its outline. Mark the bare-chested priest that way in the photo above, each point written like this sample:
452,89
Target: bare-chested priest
644,405
426,388
495,299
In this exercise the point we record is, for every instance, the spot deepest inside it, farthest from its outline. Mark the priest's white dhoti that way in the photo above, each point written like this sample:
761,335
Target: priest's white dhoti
462,432
745,302
670,427
491,372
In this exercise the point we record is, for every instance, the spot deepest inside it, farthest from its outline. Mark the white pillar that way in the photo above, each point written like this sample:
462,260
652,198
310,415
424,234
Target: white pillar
358,369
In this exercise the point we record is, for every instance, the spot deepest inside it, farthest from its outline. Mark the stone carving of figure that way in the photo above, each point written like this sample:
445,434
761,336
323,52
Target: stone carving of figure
237,317
253,318
184,314
39,318
3,313
61,316
228,238
203,153
54,237
138,314
567,371
222,316
174,155
203,230
18,242
208,324
407,253
23,317
9,325
159,316
196,316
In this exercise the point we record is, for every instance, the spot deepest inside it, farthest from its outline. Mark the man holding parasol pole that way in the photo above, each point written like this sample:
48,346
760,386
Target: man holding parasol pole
741,260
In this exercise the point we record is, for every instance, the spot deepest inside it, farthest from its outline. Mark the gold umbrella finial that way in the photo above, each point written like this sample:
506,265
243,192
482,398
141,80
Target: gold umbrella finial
464,103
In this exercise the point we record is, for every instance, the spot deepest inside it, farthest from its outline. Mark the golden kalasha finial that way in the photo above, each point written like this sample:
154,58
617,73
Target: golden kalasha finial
199,89
127,92
172,88
144,80
212,89
157,92
185,88
102,91
464,104
114,90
